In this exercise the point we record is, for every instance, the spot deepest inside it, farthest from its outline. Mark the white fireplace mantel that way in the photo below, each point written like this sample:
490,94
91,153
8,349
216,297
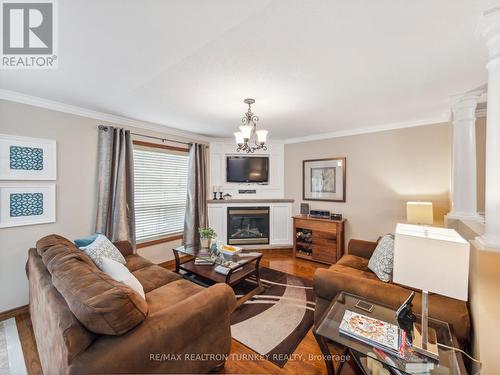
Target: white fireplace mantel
280,220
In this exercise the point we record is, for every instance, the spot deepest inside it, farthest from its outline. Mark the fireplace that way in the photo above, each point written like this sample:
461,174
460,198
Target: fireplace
247,225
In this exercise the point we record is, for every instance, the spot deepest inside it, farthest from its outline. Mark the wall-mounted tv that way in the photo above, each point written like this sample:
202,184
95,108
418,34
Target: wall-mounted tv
253,169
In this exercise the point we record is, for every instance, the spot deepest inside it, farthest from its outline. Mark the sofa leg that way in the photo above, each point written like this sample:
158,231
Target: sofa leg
219,367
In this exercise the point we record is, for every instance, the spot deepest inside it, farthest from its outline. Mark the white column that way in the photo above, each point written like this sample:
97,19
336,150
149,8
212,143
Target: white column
464,177
490,29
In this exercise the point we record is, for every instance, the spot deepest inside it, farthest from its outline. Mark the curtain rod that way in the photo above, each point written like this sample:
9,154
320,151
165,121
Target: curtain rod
105,128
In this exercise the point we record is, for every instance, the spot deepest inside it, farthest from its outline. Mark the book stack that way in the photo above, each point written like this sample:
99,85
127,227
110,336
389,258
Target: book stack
204,260
374,332
226,267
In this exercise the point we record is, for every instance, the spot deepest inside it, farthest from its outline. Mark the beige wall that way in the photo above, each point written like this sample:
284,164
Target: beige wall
76,191
384,170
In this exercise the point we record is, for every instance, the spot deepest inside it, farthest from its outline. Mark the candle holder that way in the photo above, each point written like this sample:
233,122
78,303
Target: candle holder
215,195
220,195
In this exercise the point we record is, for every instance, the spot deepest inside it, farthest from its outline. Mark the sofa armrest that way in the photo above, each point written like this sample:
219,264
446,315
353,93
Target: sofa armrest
361,248
125,247
181,328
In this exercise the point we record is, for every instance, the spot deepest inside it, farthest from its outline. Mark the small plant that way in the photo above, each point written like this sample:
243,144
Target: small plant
207,232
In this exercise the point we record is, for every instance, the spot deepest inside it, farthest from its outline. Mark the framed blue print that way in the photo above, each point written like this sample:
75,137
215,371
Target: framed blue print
24,158
27,203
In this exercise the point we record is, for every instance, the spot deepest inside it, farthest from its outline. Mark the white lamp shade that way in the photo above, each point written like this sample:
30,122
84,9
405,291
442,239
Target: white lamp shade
239,137
432,259
262,136
246,130
419,213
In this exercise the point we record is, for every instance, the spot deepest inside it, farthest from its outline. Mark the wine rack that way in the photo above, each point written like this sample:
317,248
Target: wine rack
320,240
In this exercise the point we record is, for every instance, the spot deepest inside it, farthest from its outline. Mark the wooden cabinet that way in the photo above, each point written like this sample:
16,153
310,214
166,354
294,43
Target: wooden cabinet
320,240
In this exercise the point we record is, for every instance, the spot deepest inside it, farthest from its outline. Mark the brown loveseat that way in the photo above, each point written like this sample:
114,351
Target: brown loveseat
351,274
179,328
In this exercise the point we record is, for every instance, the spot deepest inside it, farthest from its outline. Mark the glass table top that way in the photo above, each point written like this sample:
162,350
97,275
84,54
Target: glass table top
199,251
192,250
413,363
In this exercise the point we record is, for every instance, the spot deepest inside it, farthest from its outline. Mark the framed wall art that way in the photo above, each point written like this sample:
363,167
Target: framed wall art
24,158
324,179
27,203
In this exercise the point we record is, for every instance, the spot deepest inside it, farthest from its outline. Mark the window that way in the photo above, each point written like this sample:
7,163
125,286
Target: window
160,182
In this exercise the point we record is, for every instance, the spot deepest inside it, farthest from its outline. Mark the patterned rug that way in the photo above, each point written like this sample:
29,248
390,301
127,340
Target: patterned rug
274,322
11,353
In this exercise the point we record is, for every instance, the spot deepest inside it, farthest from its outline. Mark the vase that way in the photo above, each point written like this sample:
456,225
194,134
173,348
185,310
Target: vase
205,243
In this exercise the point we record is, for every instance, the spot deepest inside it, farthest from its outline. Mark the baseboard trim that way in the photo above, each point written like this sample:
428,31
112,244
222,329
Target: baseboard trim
4,315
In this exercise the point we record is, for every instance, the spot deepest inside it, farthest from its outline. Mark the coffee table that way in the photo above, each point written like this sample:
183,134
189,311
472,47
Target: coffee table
234,277
327,329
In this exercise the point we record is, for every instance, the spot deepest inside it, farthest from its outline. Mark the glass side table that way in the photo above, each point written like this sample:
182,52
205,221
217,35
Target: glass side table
450,362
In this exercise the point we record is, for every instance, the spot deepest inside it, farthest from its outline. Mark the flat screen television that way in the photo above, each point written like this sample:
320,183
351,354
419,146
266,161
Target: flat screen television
247,169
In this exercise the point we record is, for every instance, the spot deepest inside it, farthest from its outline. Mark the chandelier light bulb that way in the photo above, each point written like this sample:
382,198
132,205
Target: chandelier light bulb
239,138
262,135
246,131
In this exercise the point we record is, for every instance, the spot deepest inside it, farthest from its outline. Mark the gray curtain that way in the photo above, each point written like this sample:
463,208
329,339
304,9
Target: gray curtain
196,205
115,201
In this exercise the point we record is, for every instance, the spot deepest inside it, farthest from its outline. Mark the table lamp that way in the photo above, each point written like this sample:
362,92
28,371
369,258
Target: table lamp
433,260
419,213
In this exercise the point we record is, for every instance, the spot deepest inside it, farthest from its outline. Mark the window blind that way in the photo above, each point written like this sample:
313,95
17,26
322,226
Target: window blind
160,183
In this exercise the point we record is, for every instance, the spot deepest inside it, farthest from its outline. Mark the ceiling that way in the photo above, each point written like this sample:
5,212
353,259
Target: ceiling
313,66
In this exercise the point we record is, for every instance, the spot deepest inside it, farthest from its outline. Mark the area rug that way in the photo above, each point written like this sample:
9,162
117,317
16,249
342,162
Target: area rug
11,353
274,322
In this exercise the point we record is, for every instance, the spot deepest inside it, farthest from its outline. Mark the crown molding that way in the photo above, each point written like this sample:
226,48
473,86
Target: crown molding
35,101
445,117
18,97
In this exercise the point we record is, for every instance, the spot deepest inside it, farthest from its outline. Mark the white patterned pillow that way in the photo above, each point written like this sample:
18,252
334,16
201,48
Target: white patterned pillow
102,247
382,259
121,273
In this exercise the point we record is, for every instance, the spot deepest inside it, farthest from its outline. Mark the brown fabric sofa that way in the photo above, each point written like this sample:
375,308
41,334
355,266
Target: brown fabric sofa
351,274
180,328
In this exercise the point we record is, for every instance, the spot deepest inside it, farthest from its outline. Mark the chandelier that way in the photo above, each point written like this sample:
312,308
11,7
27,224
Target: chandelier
249,139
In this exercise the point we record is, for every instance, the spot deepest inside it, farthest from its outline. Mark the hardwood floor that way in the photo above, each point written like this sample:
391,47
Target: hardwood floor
301,361
306,359
28,344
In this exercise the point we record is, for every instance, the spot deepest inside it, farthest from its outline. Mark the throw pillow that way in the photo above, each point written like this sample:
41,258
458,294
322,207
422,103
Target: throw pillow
121,273
103,248
382,259
85,241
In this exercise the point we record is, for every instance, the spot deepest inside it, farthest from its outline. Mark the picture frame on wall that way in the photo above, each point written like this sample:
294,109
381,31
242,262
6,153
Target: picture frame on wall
23,203
25,158
324,179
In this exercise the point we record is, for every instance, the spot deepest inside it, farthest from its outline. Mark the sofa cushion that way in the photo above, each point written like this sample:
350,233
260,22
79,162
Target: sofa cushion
382,260
135,262
101,304
354,272
102,248
170,294
154,276
354,261
45,243
55,246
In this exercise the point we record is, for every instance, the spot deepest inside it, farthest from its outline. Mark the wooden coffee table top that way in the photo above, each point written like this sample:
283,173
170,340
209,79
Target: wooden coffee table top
209,272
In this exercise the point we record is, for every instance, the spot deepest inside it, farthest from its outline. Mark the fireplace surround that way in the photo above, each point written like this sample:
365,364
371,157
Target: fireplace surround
247,225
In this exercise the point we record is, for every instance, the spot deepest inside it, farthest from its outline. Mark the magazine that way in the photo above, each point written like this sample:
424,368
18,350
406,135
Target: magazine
372,331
